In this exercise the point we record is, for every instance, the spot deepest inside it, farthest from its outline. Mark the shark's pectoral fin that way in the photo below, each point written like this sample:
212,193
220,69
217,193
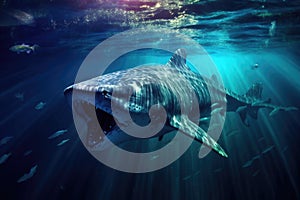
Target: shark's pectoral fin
192,130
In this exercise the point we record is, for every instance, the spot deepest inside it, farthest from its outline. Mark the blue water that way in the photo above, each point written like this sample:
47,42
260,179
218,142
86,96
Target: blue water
263,159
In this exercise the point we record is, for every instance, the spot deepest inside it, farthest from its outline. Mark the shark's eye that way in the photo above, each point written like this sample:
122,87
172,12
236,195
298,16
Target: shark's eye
106,94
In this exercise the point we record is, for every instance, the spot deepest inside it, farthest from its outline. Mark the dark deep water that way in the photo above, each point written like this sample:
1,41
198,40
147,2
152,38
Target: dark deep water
263,159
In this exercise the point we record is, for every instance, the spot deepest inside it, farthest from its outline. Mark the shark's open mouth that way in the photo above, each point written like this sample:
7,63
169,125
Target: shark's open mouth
106,121
97,127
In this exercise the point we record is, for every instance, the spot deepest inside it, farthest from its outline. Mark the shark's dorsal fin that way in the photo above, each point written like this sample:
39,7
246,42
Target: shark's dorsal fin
178,60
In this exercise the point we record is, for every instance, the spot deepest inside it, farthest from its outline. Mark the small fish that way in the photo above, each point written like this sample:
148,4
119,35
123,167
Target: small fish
256,157
5,140
272,28
267,149
23,48
187,177
14,17
255,66
20,96
4,157
26,153
40,105
234,132
57,133
28,175
63,142
261,139
61,187
218,170
255,173
247,164
192,175
198,172
284,149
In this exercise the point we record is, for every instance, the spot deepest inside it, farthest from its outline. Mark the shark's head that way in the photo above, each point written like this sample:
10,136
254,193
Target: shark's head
91,104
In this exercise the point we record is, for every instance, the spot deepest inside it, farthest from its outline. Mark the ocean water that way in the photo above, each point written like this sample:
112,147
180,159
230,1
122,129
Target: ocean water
249,41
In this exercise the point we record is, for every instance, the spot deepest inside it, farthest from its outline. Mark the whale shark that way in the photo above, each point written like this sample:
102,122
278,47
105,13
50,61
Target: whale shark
110,96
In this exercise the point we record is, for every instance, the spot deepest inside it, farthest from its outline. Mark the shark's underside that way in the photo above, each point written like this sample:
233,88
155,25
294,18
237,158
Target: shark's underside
187,97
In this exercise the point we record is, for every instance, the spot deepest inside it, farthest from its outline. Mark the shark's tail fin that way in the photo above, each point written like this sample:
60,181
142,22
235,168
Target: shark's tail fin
254,102
249,110
34,47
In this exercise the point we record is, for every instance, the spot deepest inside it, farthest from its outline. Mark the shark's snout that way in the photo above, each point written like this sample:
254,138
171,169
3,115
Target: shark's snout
92,107
68,90
68,94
